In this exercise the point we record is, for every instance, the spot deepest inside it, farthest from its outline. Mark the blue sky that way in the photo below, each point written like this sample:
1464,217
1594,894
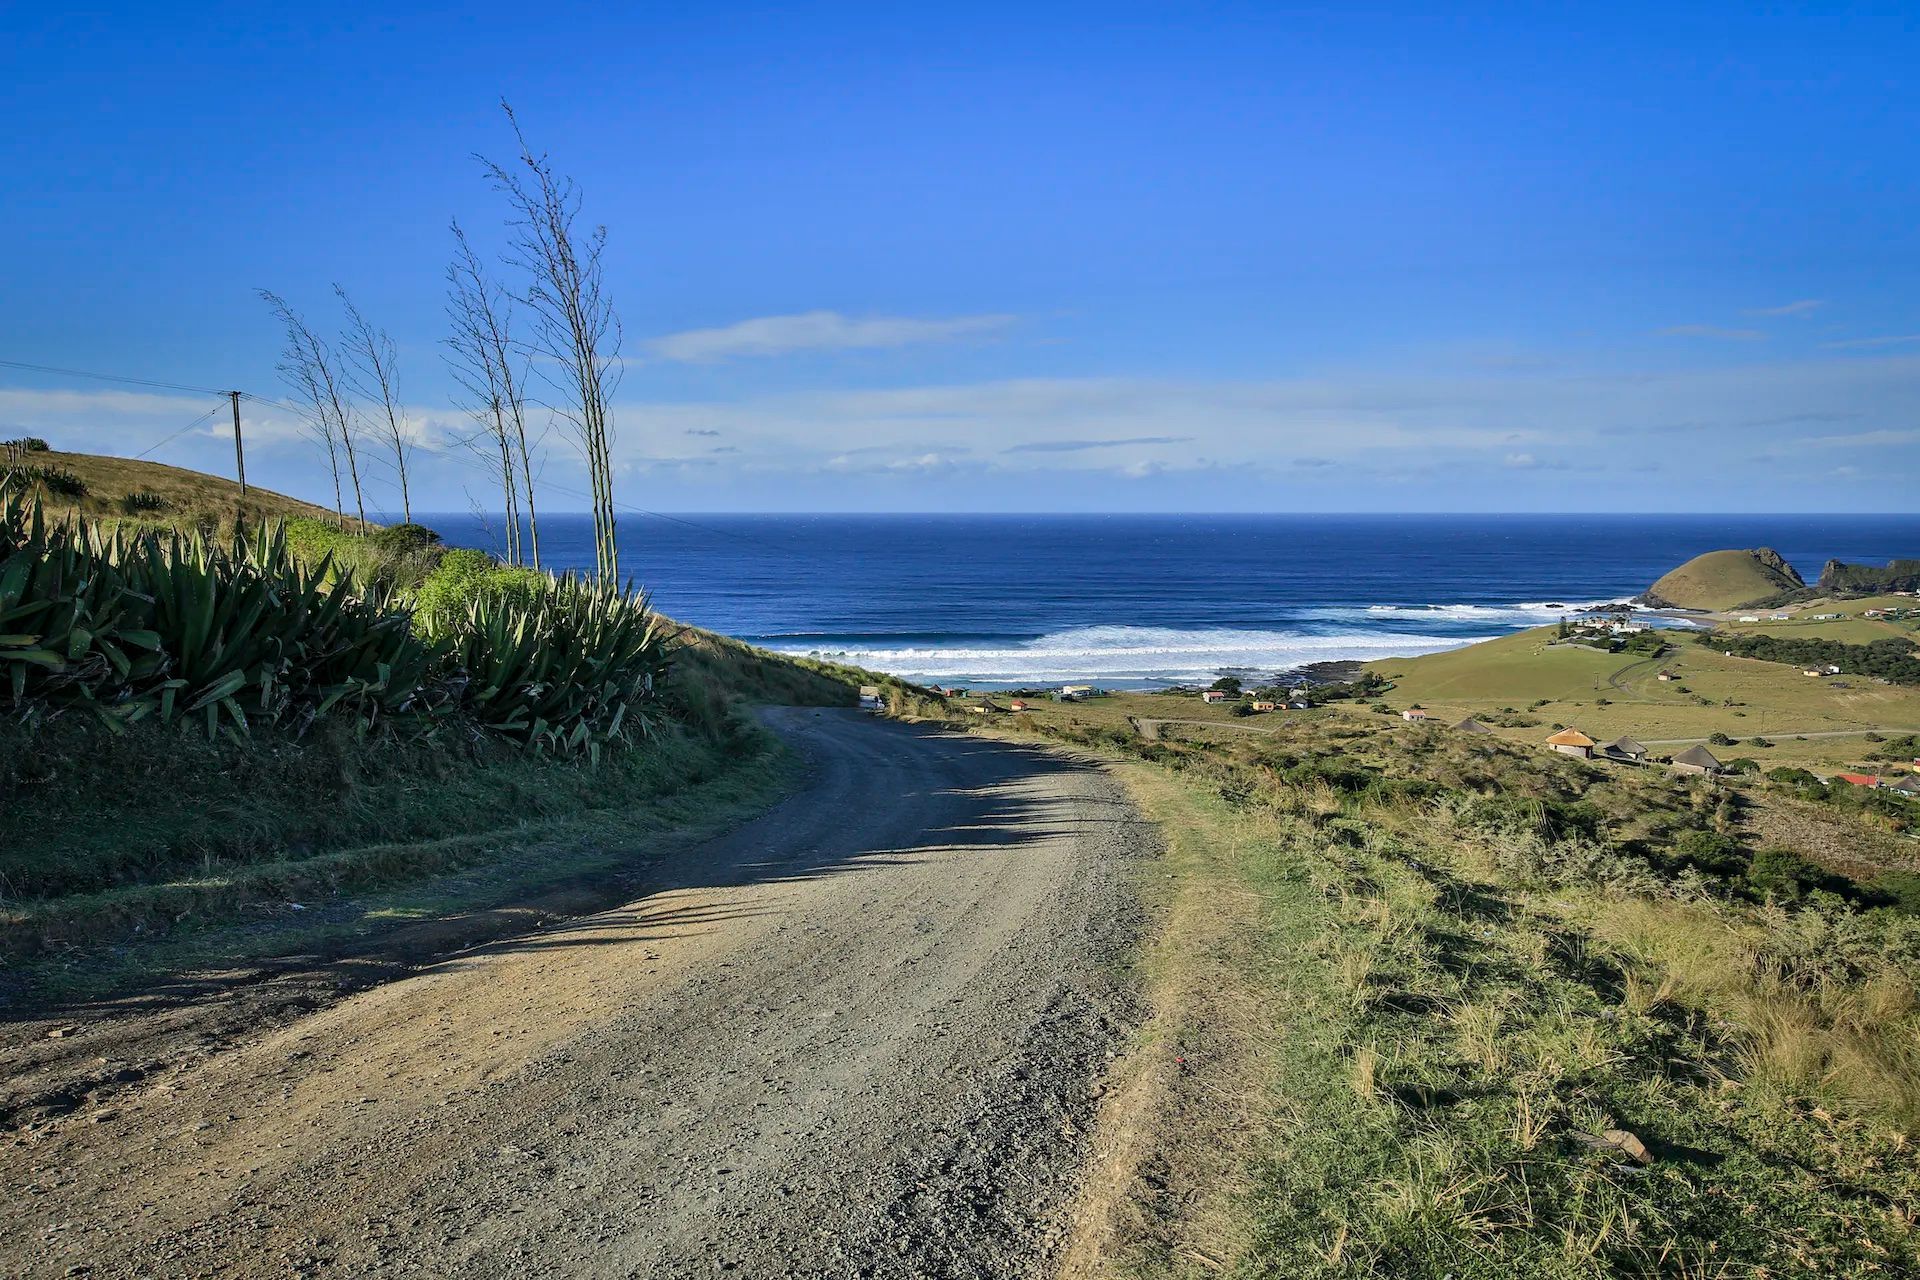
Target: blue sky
1023,257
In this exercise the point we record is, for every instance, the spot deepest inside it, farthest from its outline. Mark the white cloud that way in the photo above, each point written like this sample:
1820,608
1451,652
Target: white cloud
1803,307
819,331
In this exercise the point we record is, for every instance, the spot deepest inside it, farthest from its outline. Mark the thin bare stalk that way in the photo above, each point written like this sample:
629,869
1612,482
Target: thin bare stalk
371,363
574,327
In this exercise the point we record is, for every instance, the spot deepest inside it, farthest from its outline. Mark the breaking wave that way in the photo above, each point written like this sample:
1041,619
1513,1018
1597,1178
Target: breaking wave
1141,654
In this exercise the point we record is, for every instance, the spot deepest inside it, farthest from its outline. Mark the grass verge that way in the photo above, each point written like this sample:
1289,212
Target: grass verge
1393,1039
80,946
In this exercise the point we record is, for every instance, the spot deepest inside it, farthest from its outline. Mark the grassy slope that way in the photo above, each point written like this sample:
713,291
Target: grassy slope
193,495
1721,580
1447,1014
1768,697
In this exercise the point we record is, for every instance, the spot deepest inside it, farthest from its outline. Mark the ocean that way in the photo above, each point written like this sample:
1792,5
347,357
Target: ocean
1131,601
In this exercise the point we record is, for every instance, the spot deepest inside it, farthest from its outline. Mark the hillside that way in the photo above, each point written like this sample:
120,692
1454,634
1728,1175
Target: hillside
1866,579
1724,580
184,496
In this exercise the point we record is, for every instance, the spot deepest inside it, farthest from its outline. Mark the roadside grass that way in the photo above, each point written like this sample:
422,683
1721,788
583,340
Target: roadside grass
1492,1045
350,899
196,829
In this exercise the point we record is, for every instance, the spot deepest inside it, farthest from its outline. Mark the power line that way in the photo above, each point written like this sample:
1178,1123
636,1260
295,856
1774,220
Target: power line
182,431
110,377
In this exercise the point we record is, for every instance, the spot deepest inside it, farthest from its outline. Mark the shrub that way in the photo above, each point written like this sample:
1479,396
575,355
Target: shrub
1719,739
464,578
403,539
1782,873
1901,889
1742,764
1711,851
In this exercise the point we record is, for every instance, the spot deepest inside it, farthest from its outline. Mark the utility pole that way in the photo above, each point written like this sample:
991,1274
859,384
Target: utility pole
239,454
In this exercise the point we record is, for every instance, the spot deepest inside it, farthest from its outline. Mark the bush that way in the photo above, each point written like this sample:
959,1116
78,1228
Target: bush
403,539
24,444
464,578
1901,889
1782,873
1742,764
1710,851
1719,739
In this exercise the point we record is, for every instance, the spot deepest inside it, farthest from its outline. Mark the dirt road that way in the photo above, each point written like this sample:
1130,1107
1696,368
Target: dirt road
860,1036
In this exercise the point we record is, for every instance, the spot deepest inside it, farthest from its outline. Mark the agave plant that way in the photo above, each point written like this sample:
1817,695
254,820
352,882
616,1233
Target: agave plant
566,672
64,603
234,634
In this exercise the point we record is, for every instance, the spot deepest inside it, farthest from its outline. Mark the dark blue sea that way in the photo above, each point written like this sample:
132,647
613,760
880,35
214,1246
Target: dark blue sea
1138,601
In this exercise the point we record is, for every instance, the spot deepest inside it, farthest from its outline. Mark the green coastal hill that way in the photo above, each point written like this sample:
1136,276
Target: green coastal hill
98,485
1725,580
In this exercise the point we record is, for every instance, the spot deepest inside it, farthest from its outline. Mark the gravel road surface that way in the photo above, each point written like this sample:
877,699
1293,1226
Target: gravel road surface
863,1035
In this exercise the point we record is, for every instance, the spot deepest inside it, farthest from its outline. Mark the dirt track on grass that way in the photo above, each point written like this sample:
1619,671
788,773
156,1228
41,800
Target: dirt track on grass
863,1035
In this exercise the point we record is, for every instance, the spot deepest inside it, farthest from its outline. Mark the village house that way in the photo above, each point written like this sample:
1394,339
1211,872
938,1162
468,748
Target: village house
1667,677
1907,785
1077,691
1299,704
1625,748
1266,706
1213,695
1866,780
1470,725
1779,617
1696,759
1415,715
1748,617
1828,617
1018,704
1572,742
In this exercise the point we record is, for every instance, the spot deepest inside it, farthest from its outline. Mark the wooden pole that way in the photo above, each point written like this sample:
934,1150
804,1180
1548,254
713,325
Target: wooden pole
239,454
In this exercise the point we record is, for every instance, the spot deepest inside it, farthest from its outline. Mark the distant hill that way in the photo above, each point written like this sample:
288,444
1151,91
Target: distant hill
1866,579
1725,580
185,497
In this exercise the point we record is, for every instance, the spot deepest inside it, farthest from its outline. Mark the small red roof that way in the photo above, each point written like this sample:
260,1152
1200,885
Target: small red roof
1859,779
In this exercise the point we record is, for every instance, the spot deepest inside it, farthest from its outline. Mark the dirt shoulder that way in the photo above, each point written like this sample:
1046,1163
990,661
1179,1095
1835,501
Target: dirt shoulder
863,1034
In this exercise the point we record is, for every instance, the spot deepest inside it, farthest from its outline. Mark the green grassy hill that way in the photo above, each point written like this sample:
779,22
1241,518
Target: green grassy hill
1608,694
183,497
1725,580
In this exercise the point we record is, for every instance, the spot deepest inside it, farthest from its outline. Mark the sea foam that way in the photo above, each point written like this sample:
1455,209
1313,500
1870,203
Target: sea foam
1135,654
